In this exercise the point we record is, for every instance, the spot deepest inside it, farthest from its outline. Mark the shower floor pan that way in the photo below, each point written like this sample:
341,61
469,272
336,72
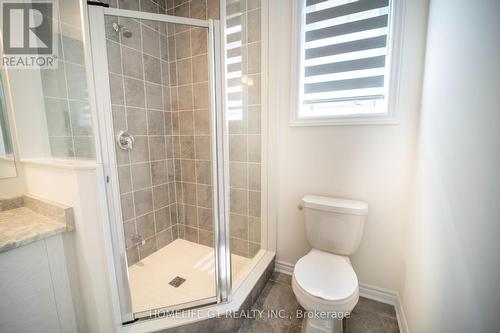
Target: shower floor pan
150,278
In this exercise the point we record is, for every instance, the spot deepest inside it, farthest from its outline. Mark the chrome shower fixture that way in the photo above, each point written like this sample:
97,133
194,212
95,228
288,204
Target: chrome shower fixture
120,28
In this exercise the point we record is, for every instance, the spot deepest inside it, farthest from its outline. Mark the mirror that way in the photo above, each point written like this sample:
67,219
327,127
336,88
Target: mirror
7,160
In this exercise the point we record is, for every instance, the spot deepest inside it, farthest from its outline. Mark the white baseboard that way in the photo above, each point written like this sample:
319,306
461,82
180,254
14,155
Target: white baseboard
378,294
386,296
375,293
283,267
403,324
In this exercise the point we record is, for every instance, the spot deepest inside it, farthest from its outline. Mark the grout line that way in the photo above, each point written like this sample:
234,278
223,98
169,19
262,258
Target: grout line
244,51
176,140
173,88
71,62
64,99
193,124
68,136
166,113
148,130
128,152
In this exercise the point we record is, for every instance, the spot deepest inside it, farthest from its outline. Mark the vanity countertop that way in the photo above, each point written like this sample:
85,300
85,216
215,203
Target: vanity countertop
27,219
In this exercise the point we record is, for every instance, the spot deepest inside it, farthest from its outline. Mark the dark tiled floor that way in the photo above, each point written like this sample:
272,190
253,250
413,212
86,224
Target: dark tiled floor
367,317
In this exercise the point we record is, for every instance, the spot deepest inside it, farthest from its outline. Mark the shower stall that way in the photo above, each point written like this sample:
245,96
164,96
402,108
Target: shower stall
178,102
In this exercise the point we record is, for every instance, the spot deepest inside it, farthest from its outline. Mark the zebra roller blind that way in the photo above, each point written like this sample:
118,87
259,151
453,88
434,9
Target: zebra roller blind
344,57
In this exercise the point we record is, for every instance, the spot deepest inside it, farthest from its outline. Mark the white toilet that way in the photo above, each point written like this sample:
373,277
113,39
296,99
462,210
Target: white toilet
324,281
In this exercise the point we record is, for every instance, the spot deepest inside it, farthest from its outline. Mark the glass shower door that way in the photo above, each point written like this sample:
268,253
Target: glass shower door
157,98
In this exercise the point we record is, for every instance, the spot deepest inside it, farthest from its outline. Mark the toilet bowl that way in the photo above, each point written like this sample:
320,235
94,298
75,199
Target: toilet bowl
326,286
324,281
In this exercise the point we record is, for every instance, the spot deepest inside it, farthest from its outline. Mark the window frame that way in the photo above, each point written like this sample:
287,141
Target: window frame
393,65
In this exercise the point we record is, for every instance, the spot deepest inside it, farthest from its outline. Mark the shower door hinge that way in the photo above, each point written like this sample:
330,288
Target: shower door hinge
97,3
107,179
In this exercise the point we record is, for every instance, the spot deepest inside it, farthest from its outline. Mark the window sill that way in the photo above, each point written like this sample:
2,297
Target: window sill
384,119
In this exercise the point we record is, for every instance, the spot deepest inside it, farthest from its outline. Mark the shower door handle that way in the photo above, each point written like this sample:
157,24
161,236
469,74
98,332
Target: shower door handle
125,140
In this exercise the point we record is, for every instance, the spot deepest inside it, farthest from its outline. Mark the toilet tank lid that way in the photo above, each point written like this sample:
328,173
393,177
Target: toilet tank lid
336,205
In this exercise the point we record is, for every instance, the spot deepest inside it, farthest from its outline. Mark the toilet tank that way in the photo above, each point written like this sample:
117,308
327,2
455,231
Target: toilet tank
334,225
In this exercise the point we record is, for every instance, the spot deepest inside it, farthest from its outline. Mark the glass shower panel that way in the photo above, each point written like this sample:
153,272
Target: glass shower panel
159,86
243,86
67,109
56,99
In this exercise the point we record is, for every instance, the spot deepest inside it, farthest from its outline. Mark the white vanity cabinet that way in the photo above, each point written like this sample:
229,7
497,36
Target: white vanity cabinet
38,283
35,291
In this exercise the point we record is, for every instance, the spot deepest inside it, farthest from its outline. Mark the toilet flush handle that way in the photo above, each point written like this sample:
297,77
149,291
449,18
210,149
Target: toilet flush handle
300,207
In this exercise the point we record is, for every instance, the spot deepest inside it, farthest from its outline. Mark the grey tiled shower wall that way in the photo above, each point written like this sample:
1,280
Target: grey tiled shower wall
160,94
140,97
191,120
67,109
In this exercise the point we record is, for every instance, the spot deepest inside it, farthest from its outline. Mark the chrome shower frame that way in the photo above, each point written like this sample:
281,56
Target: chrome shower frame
106,139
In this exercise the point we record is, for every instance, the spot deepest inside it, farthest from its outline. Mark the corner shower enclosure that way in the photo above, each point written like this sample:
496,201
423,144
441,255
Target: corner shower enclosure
164,120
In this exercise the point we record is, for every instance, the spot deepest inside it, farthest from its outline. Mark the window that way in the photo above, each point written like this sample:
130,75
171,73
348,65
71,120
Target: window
345,64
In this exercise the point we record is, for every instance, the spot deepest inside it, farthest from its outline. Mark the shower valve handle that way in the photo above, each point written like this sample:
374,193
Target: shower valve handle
125,140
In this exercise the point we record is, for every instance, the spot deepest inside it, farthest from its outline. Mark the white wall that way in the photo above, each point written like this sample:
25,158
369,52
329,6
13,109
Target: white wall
370,163
453,270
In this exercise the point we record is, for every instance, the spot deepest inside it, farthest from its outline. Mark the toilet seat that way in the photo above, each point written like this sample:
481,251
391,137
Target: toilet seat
325,281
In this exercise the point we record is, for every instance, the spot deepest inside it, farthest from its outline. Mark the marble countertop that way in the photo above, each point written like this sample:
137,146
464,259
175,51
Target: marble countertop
32,220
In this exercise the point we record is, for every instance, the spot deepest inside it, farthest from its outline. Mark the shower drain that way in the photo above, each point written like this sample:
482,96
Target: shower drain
177,281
